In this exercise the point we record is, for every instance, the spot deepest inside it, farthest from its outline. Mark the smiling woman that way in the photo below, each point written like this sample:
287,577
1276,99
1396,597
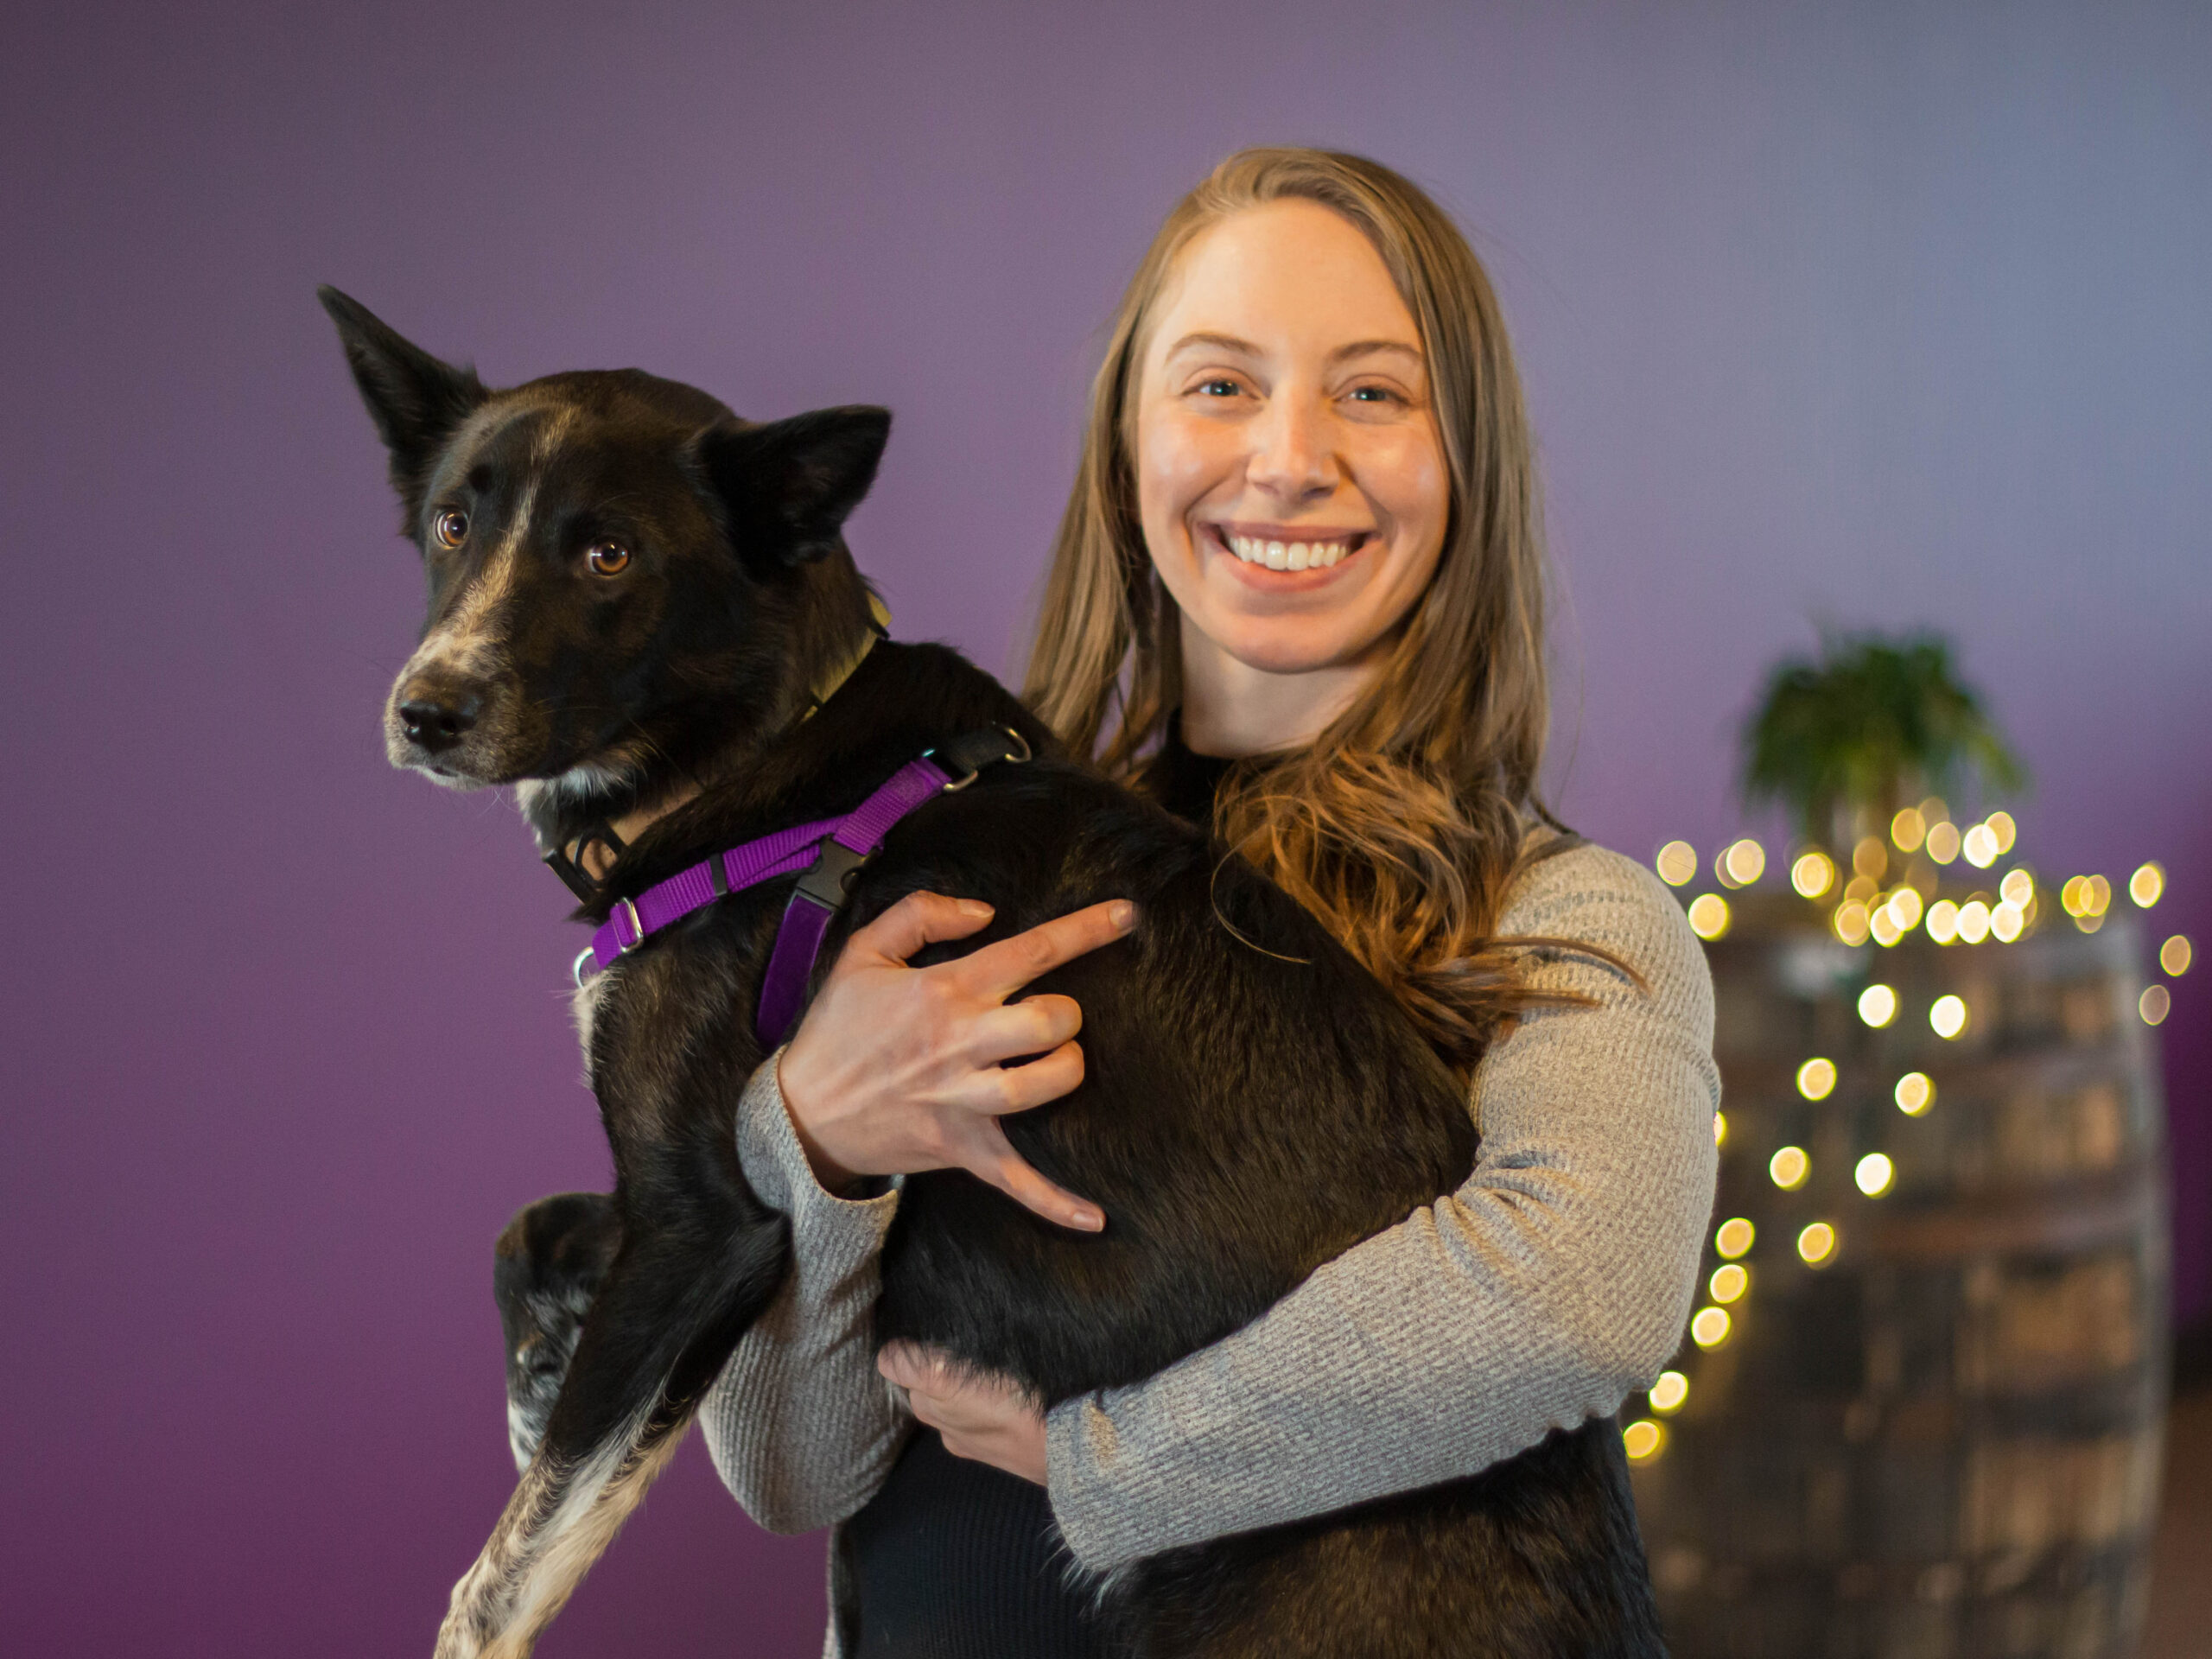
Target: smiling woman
1297,592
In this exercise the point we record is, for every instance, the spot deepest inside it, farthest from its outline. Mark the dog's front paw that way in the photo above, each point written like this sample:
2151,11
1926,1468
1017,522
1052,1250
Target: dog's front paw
548,1267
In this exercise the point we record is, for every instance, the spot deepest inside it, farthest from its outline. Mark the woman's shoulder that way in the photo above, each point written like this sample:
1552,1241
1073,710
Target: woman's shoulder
1579,893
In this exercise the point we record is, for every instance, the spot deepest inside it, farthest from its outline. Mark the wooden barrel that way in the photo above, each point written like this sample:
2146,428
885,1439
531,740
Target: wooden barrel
1942,1438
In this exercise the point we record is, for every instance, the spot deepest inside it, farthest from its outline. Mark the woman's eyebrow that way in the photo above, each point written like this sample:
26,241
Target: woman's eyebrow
1342,354
1364,348
1219,342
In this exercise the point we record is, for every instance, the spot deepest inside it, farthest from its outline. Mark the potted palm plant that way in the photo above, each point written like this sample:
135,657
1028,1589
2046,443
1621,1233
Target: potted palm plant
1846,741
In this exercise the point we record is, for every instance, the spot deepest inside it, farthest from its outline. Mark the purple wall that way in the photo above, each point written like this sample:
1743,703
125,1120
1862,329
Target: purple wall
1878,313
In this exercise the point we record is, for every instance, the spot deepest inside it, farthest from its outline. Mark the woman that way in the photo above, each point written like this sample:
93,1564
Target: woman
1301,562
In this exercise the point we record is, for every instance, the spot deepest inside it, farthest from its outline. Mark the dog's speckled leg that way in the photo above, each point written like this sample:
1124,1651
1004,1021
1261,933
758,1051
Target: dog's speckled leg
554,1527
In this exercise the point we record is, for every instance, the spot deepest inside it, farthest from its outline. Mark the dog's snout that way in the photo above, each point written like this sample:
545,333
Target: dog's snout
436,720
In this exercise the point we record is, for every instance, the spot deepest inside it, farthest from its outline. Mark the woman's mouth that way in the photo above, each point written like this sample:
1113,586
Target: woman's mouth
1286,553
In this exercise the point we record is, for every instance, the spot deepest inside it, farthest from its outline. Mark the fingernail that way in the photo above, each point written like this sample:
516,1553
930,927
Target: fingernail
1090,1221
1124,914
973,907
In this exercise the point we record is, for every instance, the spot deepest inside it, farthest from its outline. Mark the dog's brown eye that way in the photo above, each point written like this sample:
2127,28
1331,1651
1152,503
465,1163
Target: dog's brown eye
608,558
450,528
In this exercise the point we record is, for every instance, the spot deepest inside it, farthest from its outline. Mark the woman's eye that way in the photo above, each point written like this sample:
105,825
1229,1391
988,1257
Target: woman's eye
451,528
1218,388
608,558
1374,395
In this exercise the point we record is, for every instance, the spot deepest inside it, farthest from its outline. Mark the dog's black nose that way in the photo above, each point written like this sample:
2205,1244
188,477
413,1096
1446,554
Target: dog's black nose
436,723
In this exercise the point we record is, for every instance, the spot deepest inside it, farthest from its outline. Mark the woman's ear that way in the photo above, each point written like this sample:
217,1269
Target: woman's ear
416,401
785,488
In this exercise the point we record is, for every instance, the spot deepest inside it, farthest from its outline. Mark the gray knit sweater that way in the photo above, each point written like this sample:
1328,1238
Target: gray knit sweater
1551,1284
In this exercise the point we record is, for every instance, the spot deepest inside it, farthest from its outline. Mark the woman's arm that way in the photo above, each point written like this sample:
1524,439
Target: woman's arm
801,1427
1556,1280
893,1070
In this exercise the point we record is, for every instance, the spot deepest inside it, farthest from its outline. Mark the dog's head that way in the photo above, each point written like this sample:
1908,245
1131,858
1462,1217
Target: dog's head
604,550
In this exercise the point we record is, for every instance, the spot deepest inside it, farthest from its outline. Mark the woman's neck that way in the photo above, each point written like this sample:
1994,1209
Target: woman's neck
1232,709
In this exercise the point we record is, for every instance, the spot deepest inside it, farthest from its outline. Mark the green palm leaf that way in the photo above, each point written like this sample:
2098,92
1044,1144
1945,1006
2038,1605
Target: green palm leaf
1872,719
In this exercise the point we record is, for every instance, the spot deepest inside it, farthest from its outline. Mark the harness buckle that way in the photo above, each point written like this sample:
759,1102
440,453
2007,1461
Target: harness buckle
829,879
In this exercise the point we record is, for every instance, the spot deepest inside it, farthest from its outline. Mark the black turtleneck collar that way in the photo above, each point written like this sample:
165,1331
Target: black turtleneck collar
1182,782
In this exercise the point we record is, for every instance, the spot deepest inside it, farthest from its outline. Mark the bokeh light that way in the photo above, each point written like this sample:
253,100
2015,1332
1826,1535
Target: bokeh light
2174,955
1729,1283
1788,1168
1817,1078
2008,921
1676,863
2145,885
1850,923
2017,888
1874,1174
1908,830
1643,1440
1708,915
1884,926
1669,1391
1942,921
1904,907
1870,858
1878,1006
1720,1128
1943,841
2001,826
1740,863
1948,1019
1814,873
1817,1244
1972,922
1916,1093
1979,846
1710,1328
1733,1237
2155,1004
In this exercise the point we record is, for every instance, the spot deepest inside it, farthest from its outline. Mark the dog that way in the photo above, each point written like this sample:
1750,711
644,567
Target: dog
643,616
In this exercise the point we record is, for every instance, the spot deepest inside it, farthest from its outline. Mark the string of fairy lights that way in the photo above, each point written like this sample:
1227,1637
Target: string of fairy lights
1912,860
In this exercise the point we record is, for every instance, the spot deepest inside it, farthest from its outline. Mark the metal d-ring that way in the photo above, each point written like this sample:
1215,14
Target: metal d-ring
1024,752
576,968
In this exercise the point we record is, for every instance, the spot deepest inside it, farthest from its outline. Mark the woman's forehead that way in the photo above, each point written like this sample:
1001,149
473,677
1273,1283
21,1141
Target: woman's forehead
1283,277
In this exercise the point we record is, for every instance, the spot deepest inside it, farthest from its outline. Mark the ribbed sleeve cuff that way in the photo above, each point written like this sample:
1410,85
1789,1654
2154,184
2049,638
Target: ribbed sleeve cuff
1087,1486
832,1236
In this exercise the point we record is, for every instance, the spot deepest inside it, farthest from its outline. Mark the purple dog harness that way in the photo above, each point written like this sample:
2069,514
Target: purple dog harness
829,851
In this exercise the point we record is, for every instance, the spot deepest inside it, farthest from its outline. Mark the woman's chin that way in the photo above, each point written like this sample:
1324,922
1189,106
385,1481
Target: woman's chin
1279,644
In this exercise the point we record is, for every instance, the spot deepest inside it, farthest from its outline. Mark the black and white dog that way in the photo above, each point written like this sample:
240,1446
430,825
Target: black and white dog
635,600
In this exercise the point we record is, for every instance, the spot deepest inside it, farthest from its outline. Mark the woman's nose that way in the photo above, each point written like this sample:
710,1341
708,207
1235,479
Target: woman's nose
1292,459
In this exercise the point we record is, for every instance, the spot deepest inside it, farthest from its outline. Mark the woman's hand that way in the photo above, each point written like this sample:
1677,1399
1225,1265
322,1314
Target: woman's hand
897,1069
990,1419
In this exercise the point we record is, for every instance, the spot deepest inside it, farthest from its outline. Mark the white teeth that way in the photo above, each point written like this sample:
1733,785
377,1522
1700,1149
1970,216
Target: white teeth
1286,555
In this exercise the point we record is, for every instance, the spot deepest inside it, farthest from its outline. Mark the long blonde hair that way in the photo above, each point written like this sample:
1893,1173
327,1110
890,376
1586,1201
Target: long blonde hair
1403,824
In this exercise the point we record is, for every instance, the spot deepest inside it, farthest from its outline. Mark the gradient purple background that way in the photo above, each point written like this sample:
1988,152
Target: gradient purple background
1877,313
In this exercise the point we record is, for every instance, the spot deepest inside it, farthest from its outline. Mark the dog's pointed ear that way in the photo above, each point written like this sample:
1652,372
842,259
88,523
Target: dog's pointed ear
786,487
416,401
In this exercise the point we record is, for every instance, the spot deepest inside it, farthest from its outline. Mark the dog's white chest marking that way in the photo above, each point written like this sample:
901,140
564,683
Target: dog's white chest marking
584,1004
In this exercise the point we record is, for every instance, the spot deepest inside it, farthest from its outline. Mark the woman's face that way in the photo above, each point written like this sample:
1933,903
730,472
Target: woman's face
1290,479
